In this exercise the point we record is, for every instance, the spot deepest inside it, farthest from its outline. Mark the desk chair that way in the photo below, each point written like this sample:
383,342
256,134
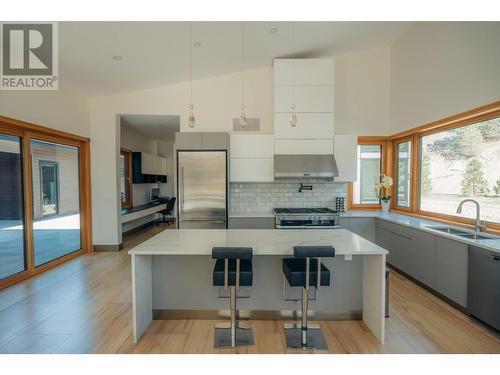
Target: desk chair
167,212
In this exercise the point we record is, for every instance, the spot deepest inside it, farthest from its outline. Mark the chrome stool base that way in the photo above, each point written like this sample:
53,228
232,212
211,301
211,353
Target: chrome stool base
315,339
222,338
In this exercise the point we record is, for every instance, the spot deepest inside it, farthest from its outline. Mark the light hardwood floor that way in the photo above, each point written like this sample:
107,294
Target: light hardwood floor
84,306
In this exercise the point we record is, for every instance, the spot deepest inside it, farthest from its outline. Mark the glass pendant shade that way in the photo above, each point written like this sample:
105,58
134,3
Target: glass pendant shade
293,117
243,117
191,121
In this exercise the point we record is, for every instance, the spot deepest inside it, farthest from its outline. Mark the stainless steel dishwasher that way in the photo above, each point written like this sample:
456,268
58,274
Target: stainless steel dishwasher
483,294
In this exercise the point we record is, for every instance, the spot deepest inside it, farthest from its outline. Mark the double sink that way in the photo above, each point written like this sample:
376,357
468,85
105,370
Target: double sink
462,232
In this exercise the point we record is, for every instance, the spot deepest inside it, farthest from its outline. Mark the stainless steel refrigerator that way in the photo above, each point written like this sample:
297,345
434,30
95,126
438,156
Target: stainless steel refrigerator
202,189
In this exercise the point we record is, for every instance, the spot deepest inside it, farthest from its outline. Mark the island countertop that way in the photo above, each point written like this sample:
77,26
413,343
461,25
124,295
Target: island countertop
263,241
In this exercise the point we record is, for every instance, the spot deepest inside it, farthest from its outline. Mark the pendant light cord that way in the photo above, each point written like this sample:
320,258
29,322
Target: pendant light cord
242,63
191,65
293,65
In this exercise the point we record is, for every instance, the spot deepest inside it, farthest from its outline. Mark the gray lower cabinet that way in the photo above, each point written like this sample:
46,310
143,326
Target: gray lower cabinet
363,226
438,262
423,258
383,239
401,249
343,222
251,222
451,269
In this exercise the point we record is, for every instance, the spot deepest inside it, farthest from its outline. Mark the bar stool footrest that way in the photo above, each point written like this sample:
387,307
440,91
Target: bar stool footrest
315,339
239,324
222,338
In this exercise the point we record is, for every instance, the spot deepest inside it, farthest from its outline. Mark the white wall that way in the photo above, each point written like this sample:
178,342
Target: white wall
362,92
440,69
61,110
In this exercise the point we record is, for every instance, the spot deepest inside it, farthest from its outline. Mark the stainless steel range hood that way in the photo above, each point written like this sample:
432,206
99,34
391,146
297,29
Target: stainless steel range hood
305,166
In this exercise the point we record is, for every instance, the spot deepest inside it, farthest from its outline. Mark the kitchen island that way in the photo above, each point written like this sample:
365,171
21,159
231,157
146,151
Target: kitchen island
172,271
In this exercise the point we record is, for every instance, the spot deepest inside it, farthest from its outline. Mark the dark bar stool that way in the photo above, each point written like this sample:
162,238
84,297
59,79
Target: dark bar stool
306,270
233,268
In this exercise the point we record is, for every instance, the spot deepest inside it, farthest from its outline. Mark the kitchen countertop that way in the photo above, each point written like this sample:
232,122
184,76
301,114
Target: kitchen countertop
421,224
406,220
263,241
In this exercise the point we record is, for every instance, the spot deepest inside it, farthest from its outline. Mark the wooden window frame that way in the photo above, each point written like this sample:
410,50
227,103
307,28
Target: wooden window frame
28,131
127,154
367,140
394,201
456,121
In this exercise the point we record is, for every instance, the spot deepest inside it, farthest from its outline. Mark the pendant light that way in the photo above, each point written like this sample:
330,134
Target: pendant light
293,115
243,116
191,120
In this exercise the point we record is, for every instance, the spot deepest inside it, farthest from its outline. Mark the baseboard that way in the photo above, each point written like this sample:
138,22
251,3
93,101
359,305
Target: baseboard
159,314
108,247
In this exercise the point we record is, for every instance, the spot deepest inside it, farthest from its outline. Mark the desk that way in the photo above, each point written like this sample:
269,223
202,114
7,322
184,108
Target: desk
129,214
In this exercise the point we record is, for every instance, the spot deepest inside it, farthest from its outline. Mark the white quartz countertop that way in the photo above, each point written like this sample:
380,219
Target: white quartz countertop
263,241
424,225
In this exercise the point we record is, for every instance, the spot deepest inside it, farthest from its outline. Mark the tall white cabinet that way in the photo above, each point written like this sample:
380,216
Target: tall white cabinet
309,84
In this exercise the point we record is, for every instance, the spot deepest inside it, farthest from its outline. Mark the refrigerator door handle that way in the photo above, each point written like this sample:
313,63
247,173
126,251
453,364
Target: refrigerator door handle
182,189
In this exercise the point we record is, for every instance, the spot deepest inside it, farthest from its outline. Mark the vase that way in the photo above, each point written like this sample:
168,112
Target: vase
385,206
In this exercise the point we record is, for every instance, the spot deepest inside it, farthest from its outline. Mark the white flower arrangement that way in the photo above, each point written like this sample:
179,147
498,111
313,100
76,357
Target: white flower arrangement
383,187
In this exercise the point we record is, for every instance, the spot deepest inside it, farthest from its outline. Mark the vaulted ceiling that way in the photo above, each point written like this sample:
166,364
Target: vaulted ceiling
102,58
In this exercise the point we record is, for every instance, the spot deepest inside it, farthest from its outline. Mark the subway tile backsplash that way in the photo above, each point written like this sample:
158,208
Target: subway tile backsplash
284,192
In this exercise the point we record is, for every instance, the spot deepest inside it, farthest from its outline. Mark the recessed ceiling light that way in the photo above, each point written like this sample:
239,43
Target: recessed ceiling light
197,44
273,30
117,57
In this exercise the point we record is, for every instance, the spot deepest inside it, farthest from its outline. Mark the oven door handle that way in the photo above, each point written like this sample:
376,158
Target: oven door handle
322,227
290,226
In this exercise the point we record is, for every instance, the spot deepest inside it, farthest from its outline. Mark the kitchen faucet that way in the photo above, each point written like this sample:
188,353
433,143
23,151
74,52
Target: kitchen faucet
479,226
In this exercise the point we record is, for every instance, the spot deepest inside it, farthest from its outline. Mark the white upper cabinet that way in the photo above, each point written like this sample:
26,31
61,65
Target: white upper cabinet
251,146
251,158
309,85
309,126
305,98
307,72
345,151
153,164
251,170
314,72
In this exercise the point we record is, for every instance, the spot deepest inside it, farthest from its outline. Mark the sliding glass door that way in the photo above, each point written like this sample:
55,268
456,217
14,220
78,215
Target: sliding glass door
12,228
44,199
56,200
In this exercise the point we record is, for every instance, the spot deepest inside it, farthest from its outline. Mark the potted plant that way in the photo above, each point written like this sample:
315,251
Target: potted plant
382,189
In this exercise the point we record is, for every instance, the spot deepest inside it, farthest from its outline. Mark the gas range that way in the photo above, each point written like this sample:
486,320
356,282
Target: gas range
306,218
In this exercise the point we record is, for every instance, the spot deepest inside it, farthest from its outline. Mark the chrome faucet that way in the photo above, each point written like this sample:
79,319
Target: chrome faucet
479,226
